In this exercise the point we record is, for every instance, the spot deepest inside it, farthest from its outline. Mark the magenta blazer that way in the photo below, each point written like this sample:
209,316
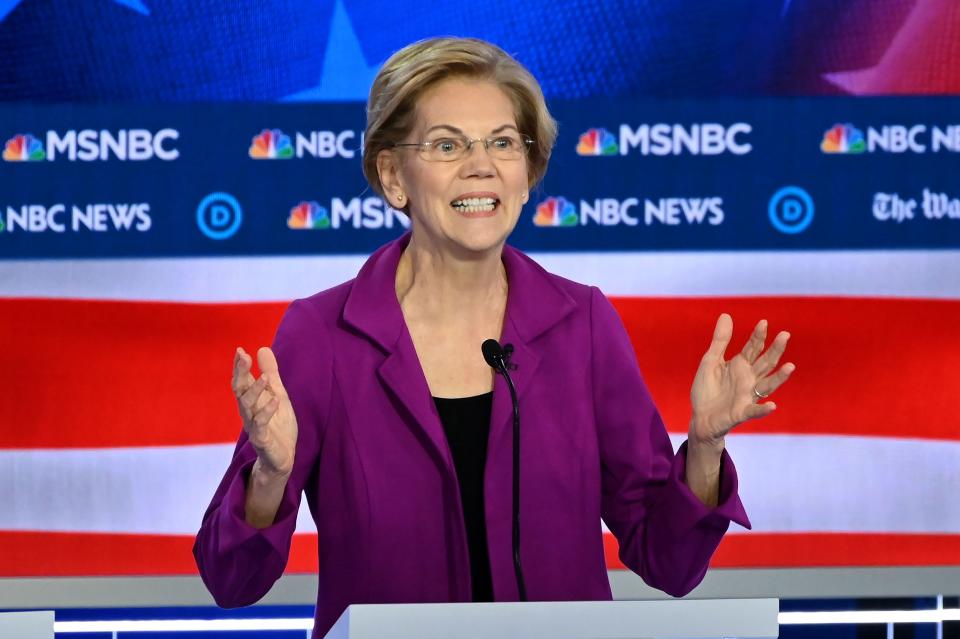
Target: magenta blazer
374,463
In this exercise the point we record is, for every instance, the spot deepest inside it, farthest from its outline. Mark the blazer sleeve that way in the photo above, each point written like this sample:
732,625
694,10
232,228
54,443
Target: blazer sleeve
239,563
666,534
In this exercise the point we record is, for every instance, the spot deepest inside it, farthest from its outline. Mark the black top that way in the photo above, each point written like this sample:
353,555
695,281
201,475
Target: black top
466,422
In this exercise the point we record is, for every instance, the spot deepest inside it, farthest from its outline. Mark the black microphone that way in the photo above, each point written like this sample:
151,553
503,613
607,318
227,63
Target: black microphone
499,359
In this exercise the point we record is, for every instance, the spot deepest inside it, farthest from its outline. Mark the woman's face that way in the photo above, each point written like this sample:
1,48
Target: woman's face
470,205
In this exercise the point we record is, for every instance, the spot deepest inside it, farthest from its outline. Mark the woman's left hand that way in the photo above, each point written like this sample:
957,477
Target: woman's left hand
726,392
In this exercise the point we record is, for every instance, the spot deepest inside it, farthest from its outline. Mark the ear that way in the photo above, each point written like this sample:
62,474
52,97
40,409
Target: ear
388,170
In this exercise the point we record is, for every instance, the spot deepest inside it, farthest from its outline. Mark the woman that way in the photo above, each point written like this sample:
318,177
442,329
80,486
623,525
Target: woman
375,399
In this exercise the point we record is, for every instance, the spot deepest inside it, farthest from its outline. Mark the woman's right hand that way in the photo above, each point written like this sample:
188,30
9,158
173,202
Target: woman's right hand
267,413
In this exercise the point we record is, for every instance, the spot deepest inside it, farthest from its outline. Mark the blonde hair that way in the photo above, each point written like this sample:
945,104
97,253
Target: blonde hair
391,108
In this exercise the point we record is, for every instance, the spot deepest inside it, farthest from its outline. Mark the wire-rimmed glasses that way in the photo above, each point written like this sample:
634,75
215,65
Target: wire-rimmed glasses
450,148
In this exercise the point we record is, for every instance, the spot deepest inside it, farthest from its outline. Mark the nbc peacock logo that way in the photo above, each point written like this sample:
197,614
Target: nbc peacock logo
24,148
597,142
843,138
556,211
308,216
271,144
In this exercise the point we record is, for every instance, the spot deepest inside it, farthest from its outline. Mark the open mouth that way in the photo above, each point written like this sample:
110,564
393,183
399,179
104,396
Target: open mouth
475,205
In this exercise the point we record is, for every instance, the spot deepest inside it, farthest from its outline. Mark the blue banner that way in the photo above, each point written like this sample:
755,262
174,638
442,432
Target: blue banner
285,179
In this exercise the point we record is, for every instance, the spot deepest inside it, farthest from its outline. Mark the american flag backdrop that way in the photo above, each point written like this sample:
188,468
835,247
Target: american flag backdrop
120,421
116,343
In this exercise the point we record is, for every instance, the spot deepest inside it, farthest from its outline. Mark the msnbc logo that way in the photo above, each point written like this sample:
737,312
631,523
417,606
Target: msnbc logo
271,144
597,142
843,138
23,148
556,211
308,215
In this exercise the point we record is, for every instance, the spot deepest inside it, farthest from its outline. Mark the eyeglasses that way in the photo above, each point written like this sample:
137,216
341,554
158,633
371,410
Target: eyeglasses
451,148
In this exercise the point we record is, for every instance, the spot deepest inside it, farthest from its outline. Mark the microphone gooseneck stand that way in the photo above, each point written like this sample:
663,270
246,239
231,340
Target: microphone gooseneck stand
498,358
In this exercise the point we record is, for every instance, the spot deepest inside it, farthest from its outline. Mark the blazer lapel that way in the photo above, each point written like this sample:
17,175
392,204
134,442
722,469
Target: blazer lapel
534,305
373,309
402,373
524,362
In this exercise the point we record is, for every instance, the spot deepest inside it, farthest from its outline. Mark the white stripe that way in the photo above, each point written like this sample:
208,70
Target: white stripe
923,274
181,625
835,483
788,483
155,490
868,616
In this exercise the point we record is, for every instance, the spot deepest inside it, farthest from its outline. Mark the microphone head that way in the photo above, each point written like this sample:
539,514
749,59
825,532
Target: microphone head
492,353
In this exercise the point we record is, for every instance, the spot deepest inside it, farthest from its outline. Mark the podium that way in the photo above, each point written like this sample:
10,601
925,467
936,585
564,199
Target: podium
676,619
35,624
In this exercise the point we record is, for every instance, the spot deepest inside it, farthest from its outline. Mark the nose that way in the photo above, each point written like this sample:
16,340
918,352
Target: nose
477,162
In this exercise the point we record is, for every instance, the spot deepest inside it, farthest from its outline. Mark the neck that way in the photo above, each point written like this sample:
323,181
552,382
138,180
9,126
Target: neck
446,285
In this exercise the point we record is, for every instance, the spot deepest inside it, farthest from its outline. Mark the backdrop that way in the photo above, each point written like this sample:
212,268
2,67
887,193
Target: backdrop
175,172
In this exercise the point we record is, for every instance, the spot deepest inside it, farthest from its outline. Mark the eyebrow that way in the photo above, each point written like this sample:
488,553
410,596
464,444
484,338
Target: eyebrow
454,129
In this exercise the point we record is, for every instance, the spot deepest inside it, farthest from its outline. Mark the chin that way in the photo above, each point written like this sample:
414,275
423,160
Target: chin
482,245
481,240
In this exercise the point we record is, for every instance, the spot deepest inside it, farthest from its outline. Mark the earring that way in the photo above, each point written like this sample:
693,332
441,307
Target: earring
400,198
524,198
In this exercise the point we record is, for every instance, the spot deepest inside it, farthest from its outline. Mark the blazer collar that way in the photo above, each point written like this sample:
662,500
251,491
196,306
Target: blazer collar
534,302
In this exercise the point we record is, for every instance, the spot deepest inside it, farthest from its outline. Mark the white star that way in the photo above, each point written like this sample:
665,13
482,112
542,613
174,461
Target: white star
136,5
6,6
346,74
923,41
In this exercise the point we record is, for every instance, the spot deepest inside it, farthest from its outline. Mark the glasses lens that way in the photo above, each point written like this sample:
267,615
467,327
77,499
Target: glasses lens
507,147
444,149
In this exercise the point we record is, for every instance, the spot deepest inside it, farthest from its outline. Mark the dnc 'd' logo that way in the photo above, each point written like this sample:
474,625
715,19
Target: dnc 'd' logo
24,148
843,138
308,216
598,142
271,144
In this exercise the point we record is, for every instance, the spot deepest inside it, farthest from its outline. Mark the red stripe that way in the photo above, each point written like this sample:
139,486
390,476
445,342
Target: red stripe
104,374
35,554
811,550
769,550
867,367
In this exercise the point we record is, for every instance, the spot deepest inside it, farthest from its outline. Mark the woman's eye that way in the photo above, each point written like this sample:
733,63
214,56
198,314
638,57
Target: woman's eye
446,145
503,143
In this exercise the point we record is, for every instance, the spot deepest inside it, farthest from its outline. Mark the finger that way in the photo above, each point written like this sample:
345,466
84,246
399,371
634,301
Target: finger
267,360
756,411
242,379
769,384
265,398
754,346
721,336
248,400
769,360
270,369
265,414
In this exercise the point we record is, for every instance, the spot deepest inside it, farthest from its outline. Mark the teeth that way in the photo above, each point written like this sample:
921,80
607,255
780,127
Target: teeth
475,201
475,204
474,209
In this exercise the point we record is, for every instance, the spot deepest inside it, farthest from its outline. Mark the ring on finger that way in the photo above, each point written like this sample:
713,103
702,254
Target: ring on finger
759,395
